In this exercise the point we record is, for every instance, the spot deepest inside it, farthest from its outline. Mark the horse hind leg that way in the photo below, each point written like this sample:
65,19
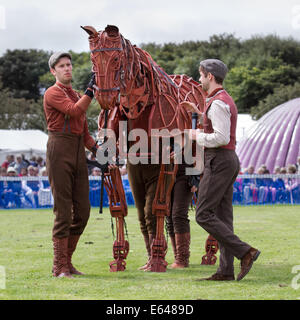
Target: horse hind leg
161,208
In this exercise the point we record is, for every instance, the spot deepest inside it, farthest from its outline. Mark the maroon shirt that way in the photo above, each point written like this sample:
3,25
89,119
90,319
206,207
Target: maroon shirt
62,112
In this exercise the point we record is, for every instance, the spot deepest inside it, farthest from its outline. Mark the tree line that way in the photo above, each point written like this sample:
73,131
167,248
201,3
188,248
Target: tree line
263,73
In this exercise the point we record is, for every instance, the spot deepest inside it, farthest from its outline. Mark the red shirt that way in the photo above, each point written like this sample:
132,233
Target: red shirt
62,112
5,164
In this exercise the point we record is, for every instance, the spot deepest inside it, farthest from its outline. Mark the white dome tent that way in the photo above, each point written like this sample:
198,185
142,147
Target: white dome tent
274,139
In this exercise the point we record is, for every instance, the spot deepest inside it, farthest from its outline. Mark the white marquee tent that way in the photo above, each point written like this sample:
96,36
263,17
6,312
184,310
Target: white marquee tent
27,142
244,123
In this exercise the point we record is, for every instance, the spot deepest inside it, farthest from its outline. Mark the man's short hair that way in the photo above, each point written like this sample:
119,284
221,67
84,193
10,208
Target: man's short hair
216,67
55,58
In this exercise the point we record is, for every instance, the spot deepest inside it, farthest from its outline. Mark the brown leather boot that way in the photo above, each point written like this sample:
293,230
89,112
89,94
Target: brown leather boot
72,243
60,261
173,243
182,250
147,244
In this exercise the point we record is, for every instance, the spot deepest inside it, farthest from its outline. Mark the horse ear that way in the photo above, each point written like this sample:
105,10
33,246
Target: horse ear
90,30
112,31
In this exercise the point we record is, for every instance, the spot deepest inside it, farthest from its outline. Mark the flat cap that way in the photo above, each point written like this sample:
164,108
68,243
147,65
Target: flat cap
56,56
216,67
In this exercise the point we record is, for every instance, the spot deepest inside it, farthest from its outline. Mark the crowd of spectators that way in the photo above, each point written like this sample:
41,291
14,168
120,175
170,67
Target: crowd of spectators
280,187
17,193
34,193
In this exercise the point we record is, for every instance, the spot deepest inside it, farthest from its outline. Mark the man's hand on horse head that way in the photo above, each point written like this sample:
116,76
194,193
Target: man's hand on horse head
190,107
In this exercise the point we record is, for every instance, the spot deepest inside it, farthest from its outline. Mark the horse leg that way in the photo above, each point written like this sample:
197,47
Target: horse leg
120,248
118,210
161,208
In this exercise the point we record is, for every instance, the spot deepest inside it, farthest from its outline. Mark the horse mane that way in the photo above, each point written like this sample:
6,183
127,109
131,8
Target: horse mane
161,82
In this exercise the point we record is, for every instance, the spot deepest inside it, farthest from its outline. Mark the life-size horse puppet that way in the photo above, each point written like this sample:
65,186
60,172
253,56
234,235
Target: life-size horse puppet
132,87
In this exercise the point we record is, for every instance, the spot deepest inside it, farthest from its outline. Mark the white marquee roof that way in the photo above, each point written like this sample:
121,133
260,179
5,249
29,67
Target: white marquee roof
28,142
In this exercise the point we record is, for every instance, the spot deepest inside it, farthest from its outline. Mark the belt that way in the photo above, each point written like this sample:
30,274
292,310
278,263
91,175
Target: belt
220,149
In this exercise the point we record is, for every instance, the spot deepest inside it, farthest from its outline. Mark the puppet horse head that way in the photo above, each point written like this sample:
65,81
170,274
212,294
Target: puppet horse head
117,69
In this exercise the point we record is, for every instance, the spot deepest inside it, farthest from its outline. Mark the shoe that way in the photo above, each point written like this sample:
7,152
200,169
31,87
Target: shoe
219,277
247,262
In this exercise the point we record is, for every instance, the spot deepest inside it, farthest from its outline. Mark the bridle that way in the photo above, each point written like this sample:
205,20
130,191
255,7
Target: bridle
131,86
113,88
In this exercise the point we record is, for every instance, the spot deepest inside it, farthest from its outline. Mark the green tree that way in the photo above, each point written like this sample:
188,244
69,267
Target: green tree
92,115
281,95
81,76
20,71
19,113
188,65
249,85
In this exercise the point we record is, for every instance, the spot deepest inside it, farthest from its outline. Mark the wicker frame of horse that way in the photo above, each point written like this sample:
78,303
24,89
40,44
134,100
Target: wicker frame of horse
131,86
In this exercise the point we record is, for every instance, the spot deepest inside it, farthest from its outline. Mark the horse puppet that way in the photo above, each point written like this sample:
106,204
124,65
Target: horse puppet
131,87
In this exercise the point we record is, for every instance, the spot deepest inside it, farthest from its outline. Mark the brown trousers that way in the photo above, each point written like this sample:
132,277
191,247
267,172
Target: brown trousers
68,177
214,211
178,221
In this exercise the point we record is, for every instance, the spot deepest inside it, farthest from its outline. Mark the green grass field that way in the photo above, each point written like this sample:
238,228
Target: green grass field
26,260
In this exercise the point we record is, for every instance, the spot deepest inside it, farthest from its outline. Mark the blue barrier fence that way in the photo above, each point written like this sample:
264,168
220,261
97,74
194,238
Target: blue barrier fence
34,192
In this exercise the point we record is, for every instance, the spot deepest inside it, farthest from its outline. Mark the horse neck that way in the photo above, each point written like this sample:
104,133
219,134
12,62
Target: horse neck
158,81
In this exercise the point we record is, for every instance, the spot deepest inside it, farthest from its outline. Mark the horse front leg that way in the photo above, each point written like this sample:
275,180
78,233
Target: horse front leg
118,210
120,247
161,208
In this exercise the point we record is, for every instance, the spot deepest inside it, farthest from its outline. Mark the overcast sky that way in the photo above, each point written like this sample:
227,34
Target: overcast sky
54,25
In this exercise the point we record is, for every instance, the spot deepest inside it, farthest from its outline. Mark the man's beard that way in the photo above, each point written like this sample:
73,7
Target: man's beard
205,87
